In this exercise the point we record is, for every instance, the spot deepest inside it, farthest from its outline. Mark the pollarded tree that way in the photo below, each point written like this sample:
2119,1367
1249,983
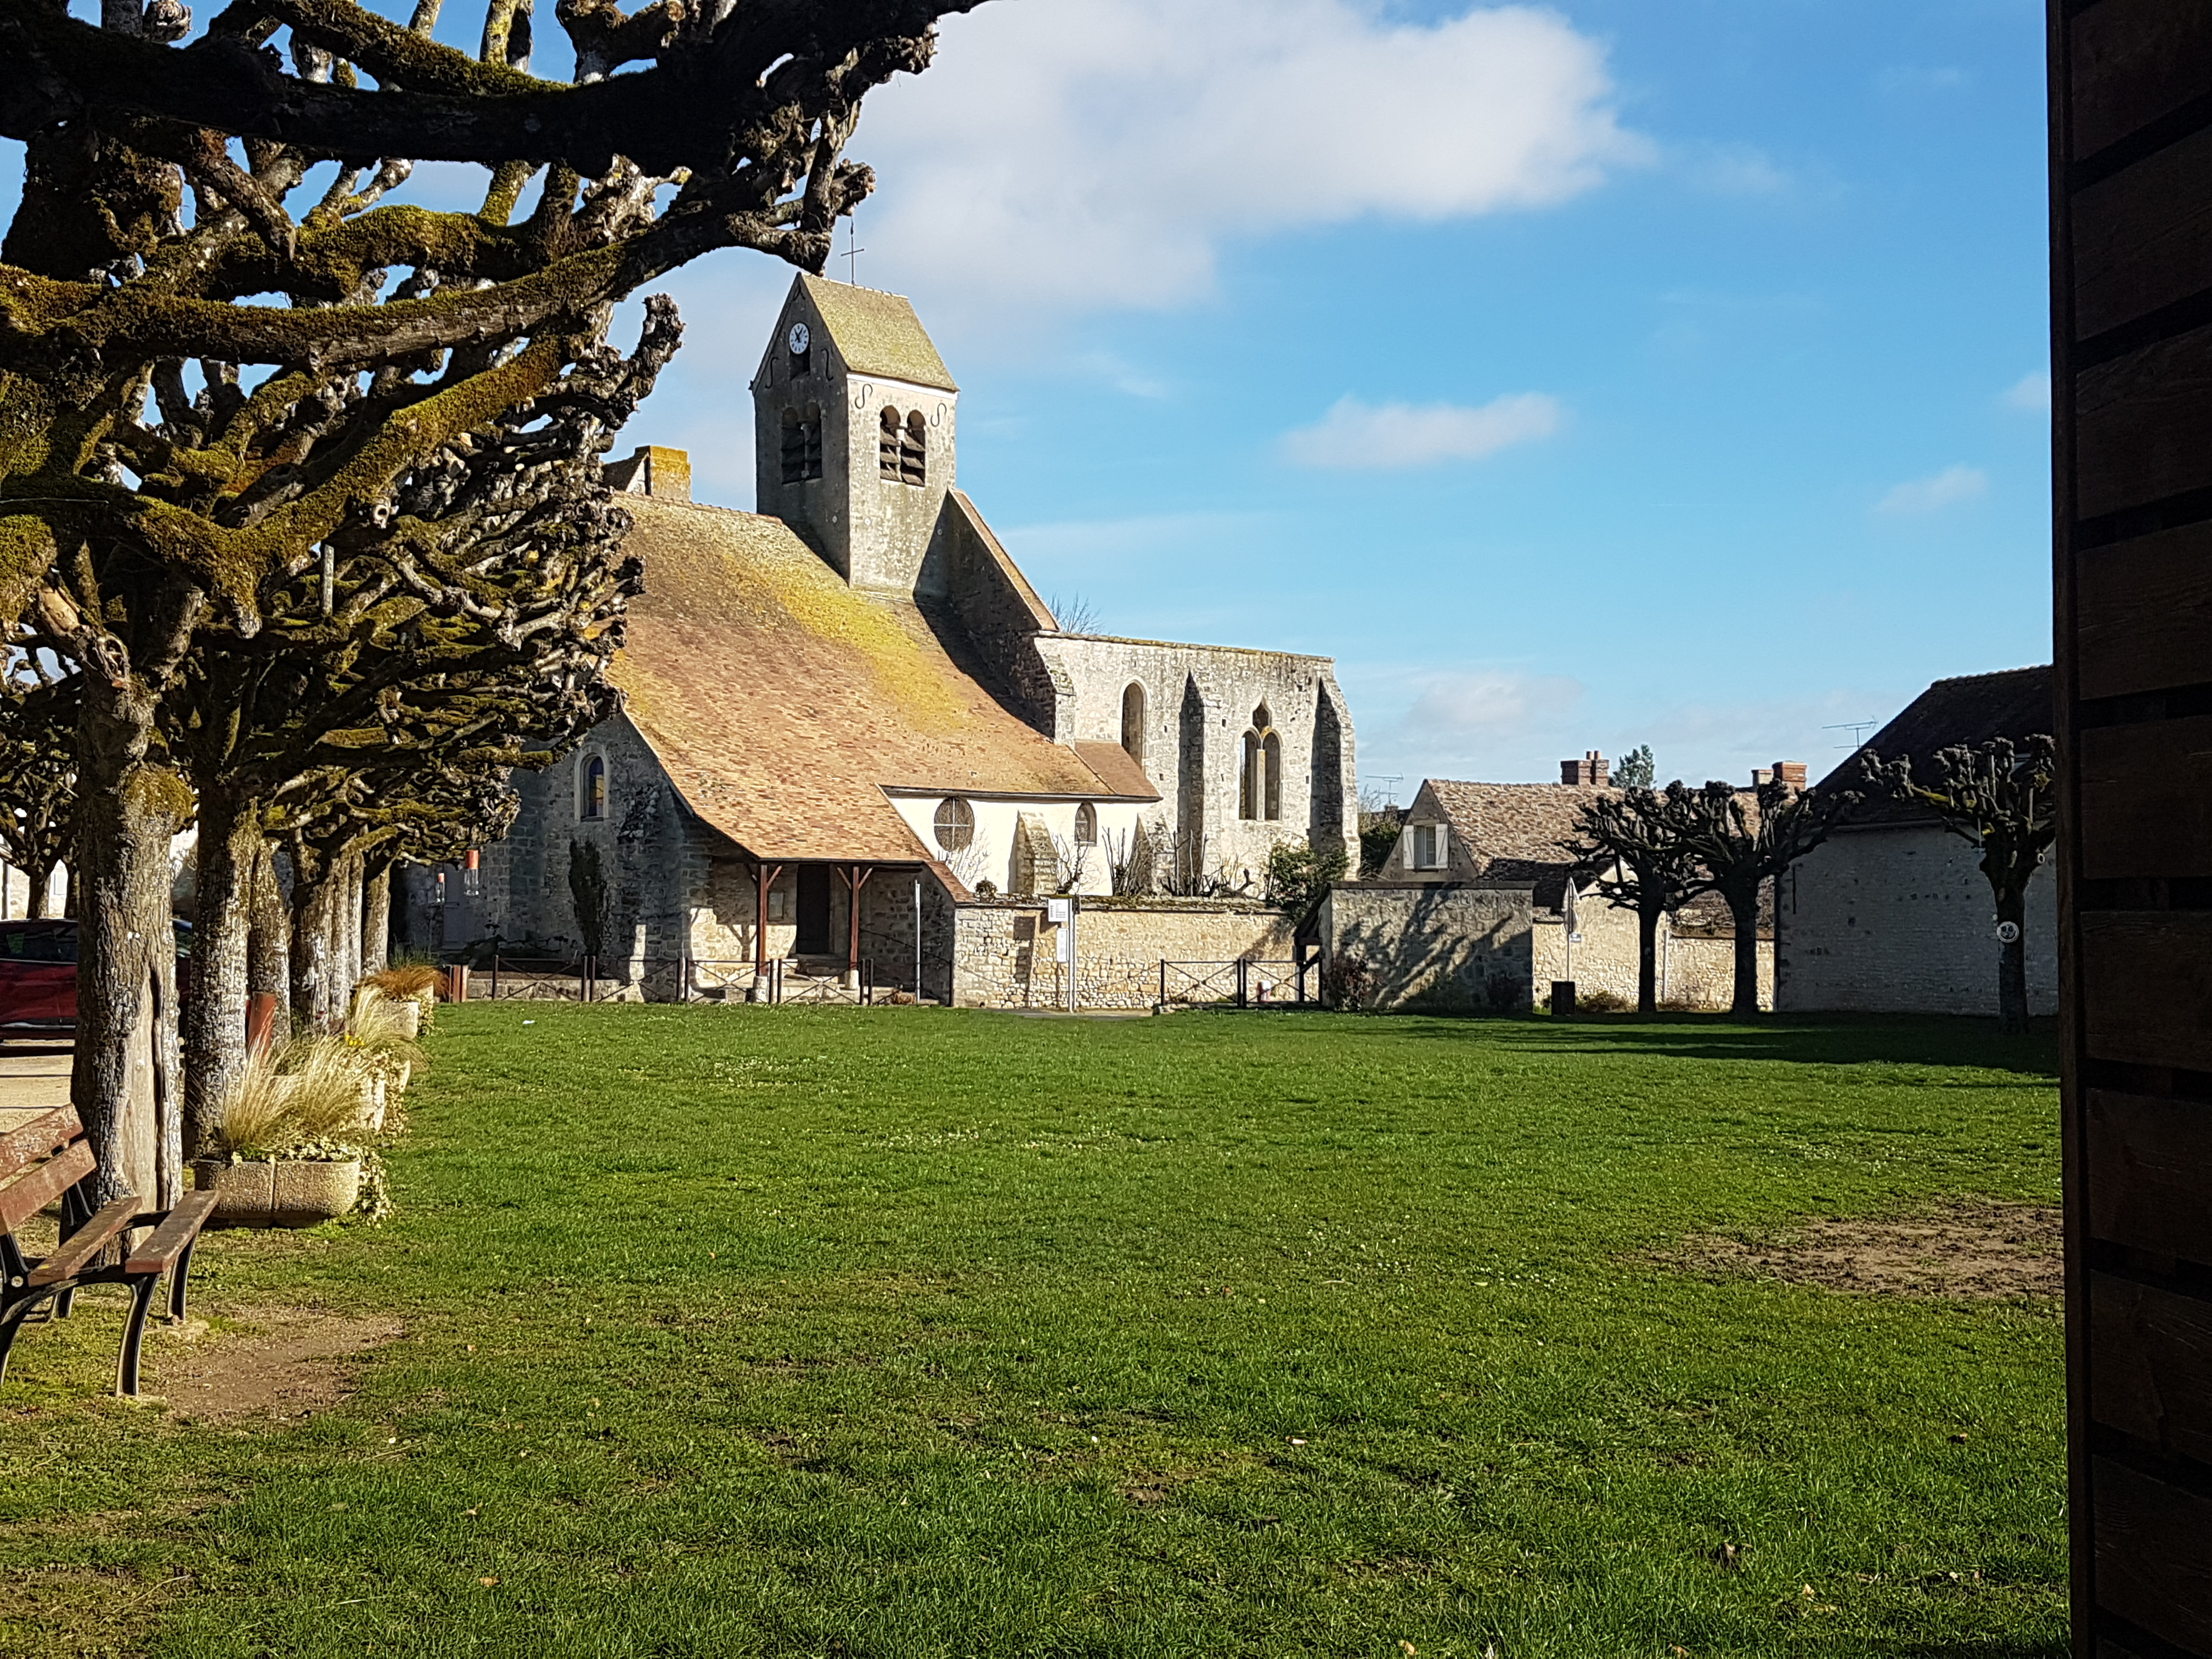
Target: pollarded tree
37,770
1742,840
139,263
1634,843
2002,800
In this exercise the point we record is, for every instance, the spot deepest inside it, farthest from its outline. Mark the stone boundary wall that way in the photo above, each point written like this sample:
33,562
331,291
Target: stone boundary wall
1004,951
1430,944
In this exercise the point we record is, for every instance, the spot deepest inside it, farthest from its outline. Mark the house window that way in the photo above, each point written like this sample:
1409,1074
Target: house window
1133,722
1086,825
593,798
802,444
956,824
1428,847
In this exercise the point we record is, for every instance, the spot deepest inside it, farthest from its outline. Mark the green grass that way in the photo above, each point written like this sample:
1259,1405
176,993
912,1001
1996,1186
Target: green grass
907,1332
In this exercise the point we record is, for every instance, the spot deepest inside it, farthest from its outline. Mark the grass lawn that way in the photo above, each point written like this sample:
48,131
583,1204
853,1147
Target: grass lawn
900,1333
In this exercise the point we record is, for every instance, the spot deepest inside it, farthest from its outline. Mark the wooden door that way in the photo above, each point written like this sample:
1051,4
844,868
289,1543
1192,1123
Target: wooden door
2131,201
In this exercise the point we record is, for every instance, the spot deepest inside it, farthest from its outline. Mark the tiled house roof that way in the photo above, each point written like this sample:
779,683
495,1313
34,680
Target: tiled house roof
782,701
1971,709
878,333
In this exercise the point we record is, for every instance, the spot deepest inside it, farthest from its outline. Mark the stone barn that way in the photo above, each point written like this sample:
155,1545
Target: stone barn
1892,915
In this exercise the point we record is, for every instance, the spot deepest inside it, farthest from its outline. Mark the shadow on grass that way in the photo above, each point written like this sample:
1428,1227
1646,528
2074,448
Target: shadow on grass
1800,1039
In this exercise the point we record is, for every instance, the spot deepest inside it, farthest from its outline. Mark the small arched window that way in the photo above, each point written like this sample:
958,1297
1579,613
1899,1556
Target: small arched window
802,444
1133,722
956,824
1086,825
887,443
914,450
1251,782
1270,760
593,801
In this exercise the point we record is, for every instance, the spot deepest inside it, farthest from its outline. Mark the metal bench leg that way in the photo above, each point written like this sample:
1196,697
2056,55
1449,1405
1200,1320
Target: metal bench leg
177,1275
11,1325
126,1370
64,1301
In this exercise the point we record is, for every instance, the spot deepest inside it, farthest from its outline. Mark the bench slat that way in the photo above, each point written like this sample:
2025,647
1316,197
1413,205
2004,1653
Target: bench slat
178,1229
42,1186
28,1143
86,1243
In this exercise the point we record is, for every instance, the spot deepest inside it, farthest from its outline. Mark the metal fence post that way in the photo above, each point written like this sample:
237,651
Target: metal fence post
1243,973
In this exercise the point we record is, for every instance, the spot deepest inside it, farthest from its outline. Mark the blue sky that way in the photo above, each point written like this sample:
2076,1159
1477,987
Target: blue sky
1619,371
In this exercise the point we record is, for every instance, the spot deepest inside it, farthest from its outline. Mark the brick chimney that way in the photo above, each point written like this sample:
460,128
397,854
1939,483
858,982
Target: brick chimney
1593,770
663,474
1791,775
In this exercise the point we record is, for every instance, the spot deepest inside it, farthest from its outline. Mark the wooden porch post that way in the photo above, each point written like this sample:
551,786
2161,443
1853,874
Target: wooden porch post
856,877
764,877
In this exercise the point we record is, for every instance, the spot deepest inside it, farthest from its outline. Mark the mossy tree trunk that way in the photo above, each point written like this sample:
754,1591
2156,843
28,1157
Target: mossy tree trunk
230,849
269,937
130,806
314,892
2011,961
376,922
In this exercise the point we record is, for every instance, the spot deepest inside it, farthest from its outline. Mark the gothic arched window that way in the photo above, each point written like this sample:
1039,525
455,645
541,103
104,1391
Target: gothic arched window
802,444
887,444
592,799
956,823
1133,722
1271,761
1086,825
1251,782
1259,776
914,450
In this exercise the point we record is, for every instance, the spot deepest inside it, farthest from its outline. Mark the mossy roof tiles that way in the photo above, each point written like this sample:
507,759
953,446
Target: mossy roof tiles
783,702
878,333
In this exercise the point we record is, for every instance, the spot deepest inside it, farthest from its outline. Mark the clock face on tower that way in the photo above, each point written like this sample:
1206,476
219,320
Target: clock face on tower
799,339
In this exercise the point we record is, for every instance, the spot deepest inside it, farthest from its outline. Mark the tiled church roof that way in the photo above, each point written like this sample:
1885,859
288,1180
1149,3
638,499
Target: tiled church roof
878,333
782,701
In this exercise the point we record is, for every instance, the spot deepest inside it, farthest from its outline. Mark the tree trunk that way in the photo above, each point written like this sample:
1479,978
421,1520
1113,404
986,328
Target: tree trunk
376,923
312,970
2012,964
41,897
1647,961
267,946
128,811
1744,908
230,852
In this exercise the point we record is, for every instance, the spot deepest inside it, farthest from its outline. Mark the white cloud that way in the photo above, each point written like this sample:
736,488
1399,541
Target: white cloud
1455,711
1088,153
2031,393
1358,434
1953,485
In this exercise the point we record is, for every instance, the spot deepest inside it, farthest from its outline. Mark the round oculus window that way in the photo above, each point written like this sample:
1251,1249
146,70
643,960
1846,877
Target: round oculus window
956,824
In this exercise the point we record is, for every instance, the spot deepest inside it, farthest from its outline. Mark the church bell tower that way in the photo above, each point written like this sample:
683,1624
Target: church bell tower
854,420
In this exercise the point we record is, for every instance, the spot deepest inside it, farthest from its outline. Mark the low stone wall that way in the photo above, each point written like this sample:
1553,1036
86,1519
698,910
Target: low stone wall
1004,953
1429,944
1695,970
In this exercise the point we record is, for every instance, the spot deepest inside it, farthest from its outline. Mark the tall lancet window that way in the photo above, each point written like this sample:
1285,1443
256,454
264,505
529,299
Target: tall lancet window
1259,776
1133,722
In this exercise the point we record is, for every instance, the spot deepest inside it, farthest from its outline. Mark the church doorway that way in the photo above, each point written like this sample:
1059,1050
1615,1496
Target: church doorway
813,911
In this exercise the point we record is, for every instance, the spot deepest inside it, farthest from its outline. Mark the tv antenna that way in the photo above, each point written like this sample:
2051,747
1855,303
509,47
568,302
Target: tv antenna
1858,729
1390,795
852,250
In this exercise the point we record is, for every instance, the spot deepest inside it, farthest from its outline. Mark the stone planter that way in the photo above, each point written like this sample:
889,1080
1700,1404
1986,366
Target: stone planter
410,1017
278,1192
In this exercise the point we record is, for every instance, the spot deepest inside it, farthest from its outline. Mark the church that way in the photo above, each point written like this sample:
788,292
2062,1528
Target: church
856,746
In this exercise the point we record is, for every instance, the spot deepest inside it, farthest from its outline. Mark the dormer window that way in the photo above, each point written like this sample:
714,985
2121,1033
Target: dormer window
802,444
1429,846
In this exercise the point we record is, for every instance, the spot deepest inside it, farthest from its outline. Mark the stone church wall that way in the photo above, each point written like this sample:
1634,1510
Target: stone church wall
1200,701
1900,921
1005,953
1431,944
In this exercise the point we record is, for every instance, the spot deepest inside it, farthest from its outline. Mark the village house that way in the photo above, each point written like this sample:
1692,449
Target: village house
856,742
1438,924
1891,913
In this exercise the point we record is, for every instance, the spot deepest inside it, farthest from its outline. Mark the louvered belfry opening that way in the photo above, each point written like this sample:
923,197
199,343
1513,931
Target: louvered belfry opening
887,443
914,450
2131,292
802,444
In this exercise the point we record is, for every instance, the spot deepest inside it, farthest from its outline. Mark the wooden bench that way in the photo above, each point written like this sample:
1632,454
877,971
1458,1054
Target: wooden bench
44,1159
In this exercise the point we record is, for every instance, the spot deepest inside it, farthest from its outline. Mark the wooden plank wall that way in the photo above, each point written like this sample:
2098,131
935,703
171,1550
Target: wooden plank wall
2131,286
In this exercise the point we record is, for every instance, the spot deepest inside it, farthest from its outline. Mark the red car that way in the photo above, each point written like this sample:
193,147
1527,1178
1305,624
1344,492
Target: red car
38,971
